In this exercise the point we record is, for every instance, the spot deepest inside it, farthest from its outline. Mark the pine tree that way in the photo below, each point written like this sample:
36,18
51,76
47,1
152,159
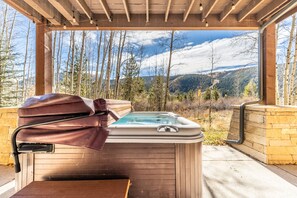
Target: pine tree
132,84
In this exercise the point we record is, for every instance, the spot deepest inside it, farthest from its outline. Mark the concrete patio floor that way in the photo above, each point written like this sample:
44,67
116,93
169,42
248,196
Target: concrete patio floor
226,173
230,173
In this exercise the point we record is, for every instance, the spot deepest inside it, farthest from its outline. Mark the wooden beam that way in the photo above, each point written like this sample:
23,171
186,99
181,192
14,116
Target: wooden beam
228,9
25,9
289,13
208,9
269,64
270,9
44,69
167,10
47,10
82,4
248,9
188,10
147,8
106,9
119,22
65,8
126,10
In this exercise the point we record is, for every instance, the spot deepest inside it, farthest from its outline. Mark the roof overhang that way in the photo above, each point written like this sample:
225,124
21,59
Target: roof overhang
152,15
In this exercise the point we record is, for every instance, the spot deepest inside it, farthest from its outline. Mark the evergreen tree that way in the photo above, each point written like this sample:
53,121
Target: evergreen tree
156,93
207,94
215,93
250,89
132,84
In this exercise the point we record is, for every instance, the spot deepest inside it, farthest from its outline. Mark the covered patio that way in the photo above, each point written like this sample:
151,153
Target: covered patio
264,131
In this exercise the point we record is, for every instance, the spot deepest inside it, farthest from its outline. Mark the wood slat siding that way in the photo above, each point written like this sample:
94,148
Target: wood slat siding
155,170
188,170
150,167
26,176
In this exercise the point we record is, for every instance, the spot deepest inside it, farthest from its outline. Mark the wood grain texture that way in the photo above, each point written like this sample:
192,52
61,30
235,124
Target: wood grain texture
155,170
150,167
188,170
269,64
77,189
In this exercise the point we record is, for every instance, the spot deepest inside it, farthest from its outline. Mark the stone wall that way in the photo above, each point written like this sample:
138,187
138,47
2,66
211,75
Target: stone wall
270,133
8,122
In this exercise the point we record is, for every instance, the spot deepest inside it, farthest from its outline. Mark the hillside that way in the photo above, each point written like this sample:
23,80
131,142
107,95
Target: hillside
230,83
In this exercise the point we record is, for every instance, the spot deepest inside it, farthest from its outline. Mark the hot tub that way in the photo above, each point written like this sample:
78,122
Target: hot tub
159,152
154,127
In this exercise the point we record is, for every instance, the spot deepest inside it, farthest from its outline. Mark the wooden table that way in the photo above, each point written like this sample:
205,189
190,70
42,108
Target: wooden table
80,188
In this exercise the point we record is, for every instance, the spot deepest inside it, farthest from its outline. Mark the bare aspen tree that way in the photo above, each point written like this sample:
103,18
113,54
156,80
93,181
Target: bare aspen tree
213,61
97,65
288,62
3,26
168,69
53,55
59,60
108,69
25,59
72,62
78,90
119,63
11,30
105,49
292,74
68,61
28,73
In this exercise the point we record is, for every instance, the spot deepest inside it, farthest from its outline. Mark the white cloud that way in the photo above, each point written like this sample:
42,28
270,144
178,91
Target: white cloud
197,58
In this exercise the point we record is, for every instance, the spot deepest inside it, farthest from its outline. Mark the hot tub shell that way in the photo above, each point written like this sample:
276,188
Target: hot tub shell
159,164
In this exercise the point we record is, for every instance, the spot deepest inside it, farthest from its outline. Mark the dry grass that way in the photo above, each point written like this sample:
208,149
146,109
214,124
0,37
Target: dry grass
215,134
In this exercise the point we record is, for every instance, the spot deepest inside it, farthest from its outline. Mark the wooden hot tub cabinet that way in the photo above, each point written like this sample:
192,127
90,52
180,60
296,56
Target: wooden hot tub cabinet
155,170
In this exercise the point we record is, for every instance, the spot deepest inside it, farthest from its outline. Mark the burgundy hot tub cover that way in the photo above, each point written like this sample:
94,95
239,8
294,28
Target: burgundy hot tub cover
88,130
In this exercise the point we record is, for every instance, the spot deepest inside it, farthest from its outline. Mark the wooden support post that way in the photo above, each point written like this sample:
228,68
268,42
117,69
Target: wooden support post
44,69
269,65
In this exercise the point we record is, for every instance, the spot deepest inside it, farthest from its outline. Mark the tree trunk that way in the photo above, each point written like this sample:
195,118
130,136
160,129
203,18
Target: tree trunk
105,48
108,69
119,64
25,59
288,62
293,74
59,61
72,63
53,54
78,90
96,94
168,71
68,60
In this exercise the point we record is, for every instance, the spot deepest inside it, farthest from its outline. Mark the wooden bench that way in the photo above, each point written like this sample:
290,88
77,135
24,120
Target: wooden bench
79,188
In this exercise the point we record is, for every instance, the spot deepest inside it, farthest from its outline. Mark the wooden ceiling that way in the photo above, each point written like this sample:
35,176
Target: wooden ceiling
149,14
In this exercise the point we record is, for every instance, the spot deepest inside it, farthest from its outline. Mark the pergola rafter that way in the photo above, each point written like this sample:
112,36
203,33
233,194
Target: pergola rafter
106,9
47,10
82,4
167,10
208,9
228,9
248,9
188,10
270,9
147,10
126,10
66,9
